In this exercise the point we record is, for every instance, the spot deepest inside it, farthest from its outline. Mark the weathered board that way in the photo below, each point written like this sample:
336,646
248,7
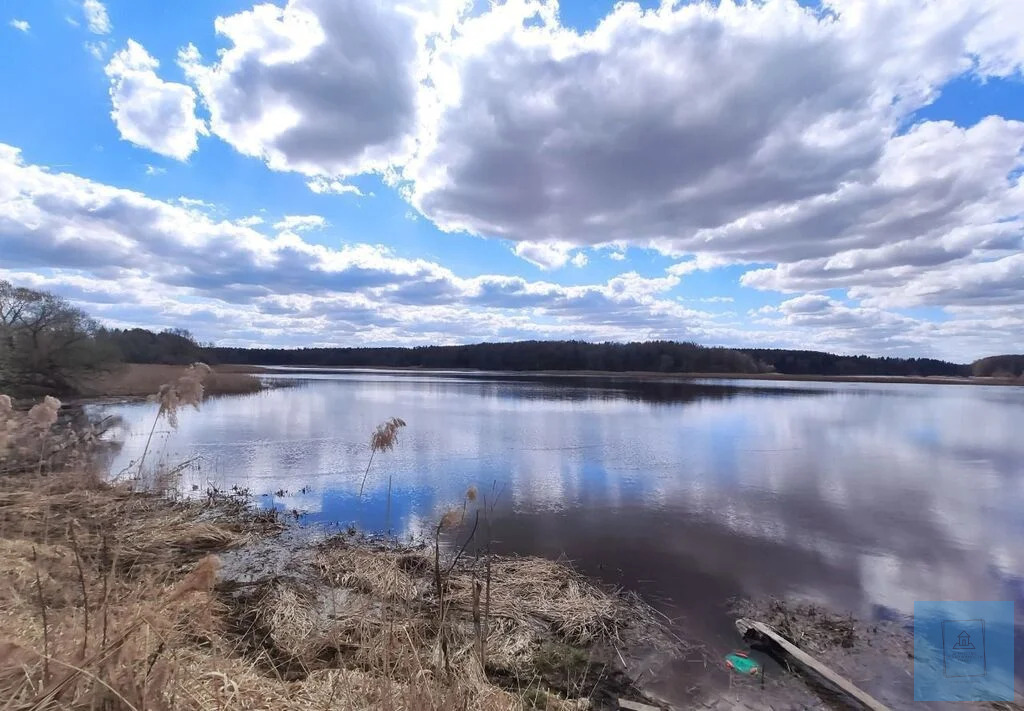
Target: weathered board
743,625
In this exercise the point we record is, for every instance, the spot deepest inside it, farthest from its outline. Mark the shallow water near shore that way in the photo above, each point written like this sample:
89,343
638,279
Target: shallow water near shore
863,497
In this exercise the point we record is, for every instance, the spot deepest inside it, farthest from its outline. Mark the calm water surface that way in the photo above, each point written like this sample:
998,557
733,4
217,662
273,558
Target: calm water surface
866,497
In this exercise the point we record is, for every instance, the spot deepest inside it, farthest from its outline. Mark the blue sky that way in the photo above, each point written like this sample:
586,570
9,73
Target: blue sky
844,176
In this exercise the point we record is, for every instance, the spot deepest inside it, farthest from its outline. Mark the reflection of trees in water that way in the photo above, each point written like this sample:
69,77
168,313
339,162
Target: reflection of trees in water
584,388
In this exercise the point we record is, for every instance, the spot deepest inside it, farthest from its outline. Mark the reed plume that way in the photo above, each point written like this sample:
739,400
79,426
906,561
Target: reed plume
383,439
6,408
185,390
43,415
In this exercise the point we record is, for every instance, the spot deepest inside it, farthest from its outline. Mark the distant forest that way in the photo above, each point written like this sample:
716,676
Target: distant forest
138,345
654,356
49,345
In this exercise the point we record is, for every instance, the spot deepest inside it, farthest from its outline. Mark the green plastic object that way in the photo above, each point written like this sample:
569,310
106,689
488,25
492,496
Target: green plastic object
739,662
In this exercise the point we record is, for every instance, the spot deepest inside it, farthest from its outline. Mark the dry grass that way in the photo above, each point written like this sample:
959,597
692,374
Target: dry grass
107,600
141,380
381,606
110,599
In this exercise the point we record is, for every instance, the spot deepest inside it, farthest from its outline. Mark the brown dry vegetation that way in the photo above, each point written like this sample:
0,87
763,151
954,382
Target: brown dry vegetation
141,380
110,598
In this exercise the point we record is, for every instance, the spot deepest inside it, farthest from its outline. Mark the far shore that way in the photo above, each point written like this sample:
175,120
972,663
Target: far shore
637,374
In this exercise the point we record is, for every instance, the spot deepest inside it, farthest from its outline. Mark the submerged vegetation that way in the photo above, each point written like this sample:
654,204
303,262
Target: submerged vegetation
116,597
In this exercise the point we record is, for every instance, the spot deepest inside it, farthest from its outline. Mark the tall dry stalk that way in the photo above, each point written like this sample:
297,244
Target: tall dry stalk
383,439
42,613
187,389
81,582
446,522
488,510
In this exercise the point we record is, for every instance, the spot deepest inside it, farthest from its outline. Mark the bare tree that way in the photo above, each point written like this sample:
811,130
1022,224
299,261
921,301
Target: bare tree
46,344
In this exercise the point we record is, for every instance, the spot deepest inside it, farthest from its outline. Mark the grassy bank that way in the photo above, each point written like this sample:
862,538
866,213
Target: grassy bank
144,379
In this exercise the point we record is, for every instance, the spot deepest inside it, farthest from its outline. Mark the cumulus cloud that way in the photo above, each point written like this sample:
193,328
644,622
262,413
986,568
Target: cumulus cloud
745,133
322,186
20,25
322,87
546,255
829,324
97,49
765,133
300,223
130,257
148,111
135,260
662,124
96,17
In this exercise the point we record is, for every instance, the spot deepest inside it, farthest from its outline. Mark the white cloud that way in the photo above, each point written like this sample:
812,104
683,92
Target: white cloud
300,223
96,17
132,259
764,133
700,263
20,25
579,260
758,133
546,255
148,111
250,221
322,87
321,186
663,123
828,324
194,204
154,170
97,49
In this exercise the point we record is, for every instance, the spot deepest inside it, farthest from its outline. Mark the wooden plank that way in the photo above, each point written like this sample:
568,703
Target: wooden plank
807,660
627,705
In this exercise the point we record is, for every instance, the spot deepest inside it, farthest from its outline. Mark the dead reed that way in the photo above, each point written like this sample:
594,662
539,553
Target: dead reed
142,380
382,439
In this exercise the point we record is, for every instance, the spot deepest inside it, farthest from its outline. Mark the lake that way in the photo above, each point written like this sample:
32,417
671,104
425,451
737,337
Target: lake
865,497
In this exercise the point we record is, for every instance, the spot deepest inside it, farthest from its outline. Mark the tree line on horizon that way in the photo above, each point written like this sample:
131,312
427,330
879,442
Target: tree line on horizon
48,345
648,356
